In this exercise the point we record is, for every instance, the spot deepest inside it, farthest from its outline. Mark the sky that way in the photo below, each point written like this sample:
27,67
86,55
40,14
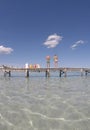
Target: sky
32,29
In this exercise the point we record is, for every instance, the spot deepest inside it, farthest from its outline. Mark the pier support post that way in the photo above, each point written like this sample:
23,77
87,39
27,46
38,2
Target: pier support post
27,73
60,73
81,72
86,73
47,73
7,72
4,73
65,72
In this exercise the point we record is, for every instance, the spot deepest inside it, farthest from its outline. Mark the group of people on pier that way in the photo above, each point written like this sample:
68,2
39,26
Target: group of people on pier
48,58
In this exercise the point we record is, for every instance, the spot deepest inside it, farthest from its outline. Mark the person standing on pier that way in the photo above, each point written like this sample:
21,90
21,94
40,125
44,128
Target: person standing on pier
48,61
55,58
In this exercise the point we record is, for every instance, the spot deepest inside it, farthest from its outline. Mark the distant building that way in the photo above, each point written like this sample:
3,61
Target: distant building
31,66
37,66
26,66
34,66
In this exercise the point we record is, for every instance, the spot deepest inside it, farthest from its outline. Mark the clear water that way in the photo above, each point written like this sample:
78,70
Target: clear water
39,103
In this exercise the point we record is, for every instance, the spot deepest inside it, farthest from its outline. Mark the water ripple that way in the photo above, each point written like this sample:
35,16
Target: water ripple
50,118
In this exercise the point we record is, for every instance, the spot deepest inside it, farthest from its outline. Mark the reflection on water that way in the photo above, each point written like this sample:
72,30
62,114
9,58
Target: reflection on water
39,103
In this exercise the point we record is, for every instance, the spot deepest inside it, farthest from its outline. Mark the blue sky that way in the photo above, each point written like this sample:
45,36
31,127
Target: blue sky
32,29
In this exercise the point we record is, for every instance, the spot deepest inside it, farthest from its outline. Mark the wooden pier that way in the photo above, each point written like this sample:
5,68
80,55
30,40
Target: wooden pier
62,71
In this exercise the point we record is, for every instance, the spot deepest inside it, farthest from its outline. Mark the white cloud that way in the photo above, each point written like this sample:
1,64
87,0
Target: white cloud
74,46
52,41
5,50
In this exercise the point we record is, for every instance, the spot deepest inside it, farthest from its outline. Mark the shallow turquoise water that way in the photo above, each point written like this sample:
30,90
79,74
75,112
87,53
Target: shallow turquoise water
39,103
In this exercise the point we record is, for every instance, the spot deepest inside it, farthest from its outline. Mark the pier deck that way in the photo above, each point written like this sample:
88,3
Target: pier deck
62,71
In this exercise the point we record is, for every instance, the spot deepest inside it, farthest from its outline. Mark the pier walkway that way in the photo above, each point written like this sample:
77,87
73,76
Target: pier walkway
62,71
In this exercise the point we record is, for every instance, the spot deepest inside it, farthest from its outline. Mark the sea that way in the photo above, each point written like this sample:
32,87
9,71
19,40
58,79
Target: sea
44,103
